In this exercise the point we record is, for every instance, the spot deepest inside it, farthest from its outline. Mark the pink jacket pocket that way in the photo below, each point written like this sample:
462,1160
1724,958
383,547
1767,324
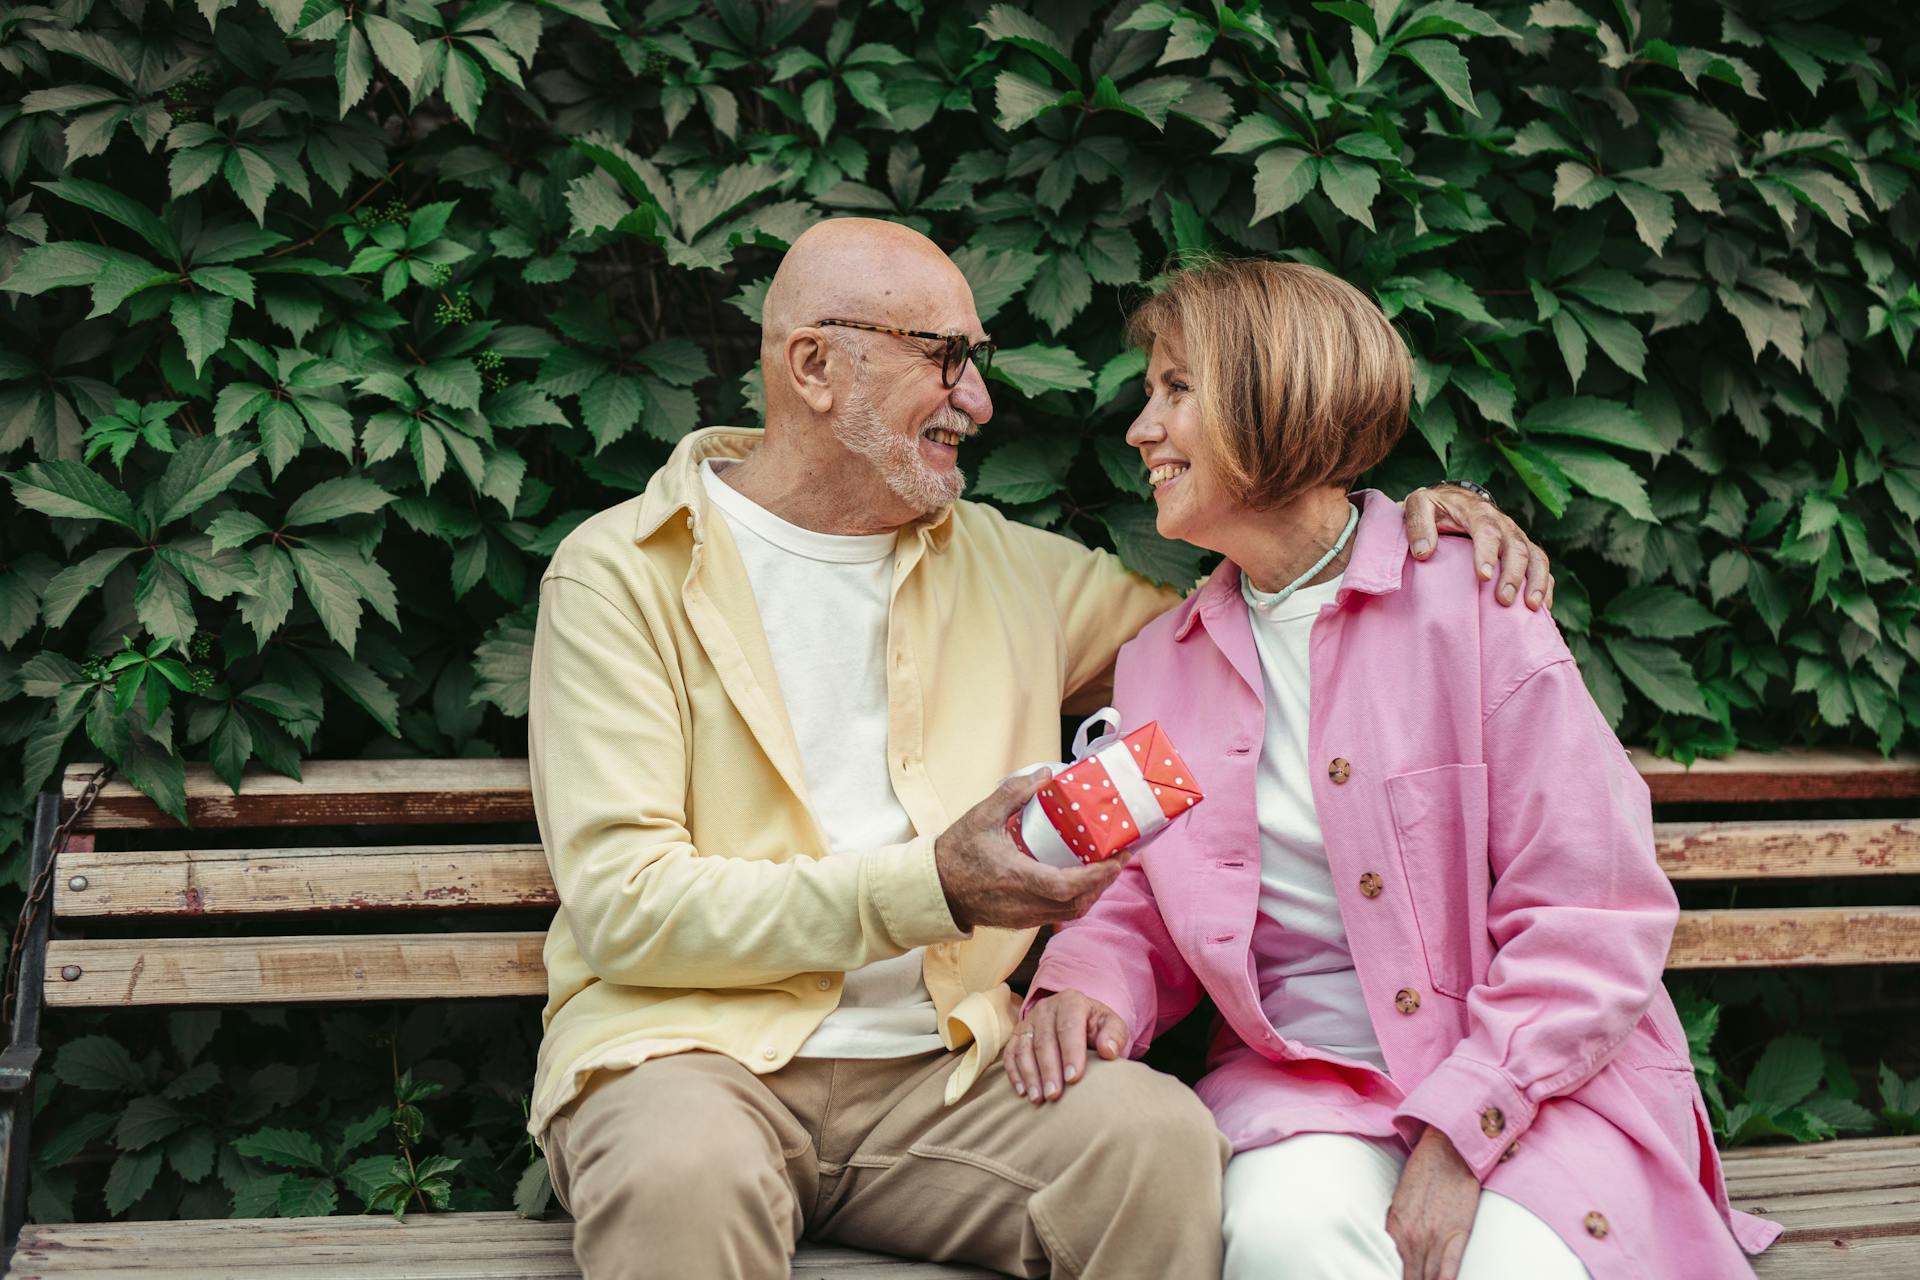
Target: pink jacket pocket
1440,826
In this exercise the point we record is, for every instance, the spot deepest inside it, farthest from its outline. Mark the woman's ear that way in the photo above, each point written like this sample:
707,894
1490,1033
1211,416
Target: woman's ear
809,368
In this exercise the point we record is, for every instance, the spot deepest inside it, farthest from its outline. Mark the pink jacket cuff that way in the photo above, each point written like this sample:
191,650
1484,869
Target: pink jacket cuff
1095,982
1480,1110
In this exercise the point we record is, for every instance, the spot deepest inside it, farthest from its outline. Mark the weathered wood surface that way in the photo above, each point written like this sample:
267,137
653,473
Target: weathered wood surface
1846,1205
452,1246
83,973
1794,937
1764,850
334,792
1750,777
192,882
329,793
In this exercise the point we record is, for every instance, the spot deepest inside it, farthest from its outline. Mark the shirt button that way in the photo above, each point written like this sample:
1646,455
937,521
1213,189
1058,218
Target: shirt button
1597,1225
1508,1154
1492,1122
769,1054
1339,770
1406,1000
1371,884
825,984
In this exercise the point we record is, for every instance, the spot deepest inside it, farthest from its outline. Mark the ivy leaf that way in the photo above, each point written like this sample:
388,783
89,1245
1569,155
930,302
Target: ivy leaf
1021,29
146,1121
1789,1069
1061,289
533,1191
71,490
1661,674
1594,419
1281,178
98,1063
130,1178
1446,66
283,1148
1143,550
1660,612
394,47
1034,369
307,1197
332,592
202,470
331,499
202,321
1023,471
503,664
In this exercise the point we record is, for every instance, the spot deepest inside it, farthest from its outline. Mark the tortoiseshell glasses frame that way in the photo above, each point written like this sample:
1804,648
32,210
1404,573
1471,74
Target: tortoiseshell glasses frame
956,350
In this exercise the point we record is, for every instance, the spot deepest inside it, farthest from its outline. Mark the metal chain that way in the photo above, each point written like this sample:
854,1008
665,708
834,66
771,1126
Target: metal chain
42,885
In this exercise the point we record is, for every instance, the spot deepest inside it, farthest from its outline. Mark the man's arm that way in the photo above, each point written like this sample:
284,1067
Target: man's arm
646,908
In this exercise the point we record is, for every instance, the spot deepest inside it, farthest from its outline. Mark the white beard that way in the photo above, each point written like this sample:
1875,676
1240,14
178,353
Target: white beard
897,457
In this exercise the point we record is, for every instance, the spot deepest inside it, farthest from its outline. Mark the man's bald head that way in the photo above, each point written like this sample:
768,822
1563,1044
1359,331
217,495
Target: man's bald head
867,270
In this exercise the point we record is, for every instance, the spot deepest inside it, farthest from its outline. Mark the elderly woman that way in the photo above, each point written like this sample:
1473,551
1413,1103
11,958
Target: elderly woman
1421,892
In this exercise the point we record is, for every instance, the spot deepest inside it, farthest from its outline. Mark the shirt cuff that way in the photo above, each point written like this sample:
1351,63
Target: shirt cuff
904,883
1480,1110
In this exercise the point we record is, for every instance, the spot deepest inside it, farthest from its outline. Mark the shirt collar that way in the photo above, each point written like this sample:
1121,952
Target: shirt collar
1379,557
676,487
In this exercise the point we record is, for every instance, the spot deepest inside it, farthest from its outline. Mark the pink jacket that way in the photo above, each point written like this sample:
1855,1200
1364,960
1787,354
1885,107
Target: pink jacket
1512,927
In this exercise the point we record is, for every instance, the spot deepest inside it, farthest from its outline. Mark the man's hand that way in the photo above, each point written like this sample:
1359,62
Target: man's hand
1049,1051
1432,1211
1499,545
989,881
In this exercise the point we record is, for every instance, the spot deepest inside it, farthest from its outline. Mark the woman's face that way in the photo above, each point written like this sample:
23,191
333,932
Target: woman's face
1187,492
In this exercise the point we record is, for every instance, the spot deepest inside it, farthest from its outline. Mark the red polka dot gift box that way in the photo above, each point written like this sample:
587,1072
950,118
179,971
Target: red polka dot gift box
1118,789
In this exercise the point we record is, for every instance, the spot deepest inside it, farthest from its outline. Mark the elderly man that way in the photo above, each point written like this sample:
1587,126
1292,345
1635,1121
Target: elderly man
768,696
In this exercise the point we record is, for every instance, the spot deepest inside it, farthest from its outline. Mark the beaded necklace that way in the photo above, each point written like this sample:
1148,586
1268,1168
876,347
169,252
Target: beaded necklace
1274,599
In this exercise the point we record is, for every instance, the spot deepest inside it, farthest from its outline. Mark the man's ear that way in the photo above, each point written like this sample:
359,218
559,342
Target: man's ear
809,361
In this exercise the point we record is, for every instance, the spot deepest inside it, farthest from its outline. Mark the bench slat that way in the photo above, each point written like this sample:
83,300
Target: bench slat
329,793
196,882
428,966
1792,937
1798,773
179,971
1768,850
338,792
192,882
440,1246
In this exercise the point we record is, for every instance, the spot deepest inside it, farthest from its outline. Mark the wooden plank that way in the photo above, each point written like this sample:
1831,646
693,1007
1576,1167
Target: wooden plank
1819,1162
1894,1258
272,881
1799,773
1766,850
442,1246
175,971
1793,937
330,793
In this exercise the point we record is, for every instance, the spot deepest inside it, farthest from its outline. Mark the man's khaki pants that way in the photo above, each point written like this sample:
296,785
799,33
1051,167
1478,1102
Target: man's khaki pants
692,1167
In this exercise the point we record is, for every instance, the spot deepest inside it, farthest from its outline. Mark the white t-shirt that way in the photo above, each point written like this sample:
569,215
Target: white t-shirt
1308,987
823,602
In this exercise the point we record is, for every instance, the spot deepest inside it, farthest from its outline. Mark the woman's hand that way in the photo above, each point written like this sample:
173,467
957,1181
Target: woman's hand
1499,545
1048,1051
1432,1211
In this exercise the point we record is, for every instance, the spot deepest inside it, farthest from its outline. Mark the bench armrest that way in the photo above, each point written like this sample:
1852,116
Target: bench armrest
16,1068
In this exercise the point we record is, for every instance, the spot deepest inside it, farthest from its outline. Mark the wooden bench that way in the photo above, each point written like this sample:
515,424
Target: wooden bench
1848,1205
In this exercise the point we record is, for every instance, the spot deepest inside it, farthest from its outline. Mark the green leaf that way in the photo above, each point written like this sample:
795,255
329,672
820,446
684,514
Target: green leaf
331,499
1660,612
272,599
1143,550
163,604
1789,1069
202,470
1016,27
71,490
146,1121
1602,475
1281,178
332,591
130,1178
98,1063
533,1192
123,209
1594,419
1023,471
1035,369
394,47
1116,374
307,1197
1060,290
192,1154
1018,100
503,663
1660,673
202,321
1446,66
283,1148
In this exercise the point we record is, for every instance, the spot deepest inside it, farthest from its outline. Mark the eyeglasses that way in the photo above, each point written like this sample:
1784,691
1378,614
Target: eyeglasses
956,350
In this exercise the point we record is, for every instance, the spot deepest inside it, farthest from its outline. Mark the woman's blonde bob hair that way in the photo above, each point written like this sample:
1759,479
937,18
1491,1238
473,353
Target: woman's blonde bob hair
1299,379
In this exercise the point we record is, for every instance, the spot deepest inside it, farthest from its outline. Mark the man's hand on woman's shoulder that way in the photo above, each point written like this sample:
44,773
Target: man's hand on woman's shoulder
1500,546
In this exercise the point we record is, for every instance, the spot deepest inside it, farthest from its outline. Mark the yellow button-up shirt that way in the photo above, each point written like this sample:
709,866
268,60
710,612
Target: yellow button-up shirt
699,908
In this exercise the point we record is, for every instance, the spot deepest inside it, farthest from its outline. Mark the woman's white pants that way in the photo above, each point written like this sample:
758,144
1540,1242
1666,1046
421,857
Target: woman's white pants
1314,1207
